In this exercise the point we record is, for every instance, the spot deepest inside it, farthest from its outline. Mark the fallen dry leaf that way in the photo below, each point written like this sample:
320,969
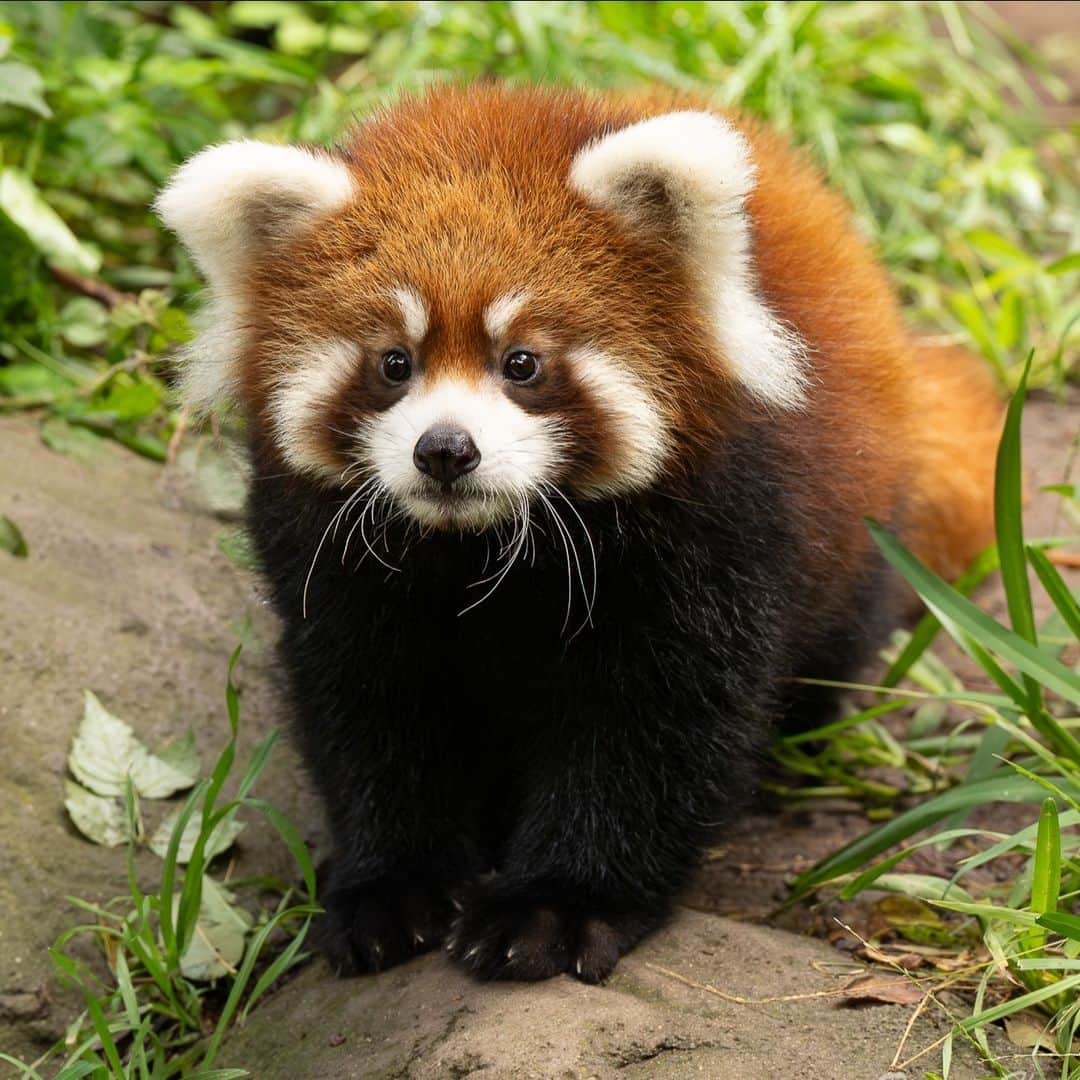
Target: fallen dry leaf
909,961
1029,1030
882,990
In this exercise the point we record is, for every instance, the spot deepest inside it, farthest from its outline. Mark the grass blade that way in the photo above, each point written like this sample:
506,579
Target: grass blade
857,853
1056,589
1046,878
965,621
928,627
1008,524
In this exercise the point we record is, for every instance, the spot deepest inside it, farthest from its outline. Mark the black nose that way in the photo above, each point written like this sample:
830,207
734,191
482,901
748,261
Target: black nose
445,453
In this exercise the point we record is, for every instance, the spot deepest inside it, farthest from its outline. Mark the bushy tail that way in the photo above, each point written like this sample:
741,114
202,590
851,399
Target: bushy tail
958,418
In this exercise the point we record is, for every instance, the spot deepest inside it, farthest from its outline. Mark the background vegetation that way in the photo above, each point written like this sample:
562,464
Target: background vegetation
923,113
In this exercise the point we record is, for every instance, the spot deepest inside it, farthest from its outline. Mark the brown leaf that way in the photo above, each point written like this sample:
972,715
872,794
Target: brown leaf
909,961
882,990
1027,1030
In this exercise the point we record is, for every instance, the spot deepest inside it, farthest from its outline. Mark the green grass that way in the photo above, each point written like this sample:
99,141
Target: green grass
157,1012
919,112
1021,748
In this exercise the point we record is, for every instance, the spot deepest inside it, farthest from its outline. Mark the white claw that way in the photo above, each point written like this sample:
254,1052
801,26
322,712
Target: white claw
510,953
418,939
457,904
578,966
472,952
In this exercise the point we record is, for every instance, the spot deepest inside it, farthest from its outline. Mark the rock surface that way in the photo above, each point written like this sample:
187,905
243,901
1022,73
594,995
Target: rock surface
427,1020
126,592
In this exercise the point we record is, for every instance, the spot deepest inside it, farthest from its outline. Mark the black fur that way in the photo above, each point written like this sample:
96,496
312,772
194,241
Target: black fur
532,797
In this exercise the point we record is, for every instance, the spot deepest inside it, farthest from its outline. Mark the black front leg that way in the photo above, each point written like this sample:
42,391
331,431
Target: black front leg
400,861
397,805
622,795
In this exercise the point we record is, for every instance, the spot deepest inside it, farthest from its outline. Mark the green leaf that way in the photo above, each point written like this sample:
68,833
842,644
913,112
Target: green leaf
182,754
23,86
238,547
1056,589
1046,875
221,837
995,249
968,311
217,944
928,626
860,851
990,912
292,839
965,621
1015,841
105,752
22,202
1066,925
1013,1005
1064,265
12,539
1008,521
921,887
101,819
219,475
83,322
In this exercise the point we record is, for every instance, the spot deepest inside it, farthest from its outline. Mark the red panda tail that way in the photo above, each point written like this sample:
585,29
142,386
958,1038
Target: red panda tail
958,417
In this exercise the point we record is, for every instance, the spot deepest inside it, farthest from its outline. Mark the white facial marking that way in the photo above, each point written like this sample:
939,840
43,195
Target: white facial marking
226,203
414,312
500,314
634,416
704,167
518,451
314,377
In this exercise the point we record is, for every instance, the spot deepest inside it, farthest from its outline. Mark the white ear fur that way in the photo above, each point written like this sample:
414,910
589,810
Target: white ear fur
700,166
226,203
228,199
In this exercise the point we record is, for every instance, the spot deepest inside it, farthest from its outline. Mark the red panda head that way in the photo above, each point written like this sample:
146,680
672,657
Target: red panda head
485,294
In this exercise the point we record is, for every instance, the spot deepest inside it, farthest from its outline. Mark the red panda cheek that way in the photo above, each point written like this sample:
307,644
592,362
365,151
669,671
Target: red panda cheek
319,397
622,420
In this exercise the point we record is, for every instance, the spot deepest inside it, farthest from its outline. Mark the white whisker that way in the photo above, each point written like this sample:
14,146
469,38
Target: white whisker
512,550
560,528
322,540
590,599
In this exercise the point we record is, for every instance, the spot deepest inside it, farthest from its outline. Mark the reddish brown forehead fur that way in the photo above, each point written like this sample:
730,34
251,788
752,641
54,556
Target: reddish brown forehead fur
463,195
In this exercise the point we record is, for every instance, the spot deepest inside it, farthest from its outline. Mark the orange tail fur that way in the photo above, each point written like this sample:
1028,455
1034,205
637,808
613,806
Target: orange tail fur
958,417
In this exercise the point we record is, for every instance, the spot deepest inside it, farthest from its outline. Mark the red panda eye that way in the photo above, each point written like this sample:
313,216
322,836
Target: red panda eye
396,365
521,366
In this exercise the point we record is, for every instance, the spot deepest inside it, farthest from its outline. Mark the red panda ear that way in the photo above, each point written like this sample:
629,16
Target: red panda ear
230,200
226,204
687,175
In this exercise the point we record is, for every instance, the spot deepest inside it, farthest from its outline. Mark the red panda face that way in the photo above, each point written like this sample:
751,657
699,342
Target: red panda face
462,396
487,298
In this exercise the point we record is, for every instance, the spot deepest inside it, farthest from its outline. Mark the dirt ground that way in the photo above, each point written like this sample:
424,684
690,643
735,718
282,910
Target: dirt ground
126,591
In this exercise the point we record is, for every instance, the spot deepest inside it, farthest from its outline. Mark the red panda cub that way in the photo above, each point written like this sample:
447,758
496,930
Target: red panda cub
565,413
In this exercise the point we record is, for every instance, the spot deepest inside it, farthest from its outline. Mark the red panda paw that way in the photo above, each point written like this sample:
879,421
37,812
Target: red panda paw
372,927
528,939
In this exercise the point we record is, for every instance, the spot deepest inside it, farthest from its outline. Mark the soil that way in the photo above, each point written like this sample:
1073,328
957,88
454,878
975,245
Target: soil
126,591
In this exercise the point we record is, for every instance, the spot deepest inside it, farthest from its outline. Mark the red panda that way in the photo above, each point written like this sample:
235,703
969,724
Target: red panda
565,413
